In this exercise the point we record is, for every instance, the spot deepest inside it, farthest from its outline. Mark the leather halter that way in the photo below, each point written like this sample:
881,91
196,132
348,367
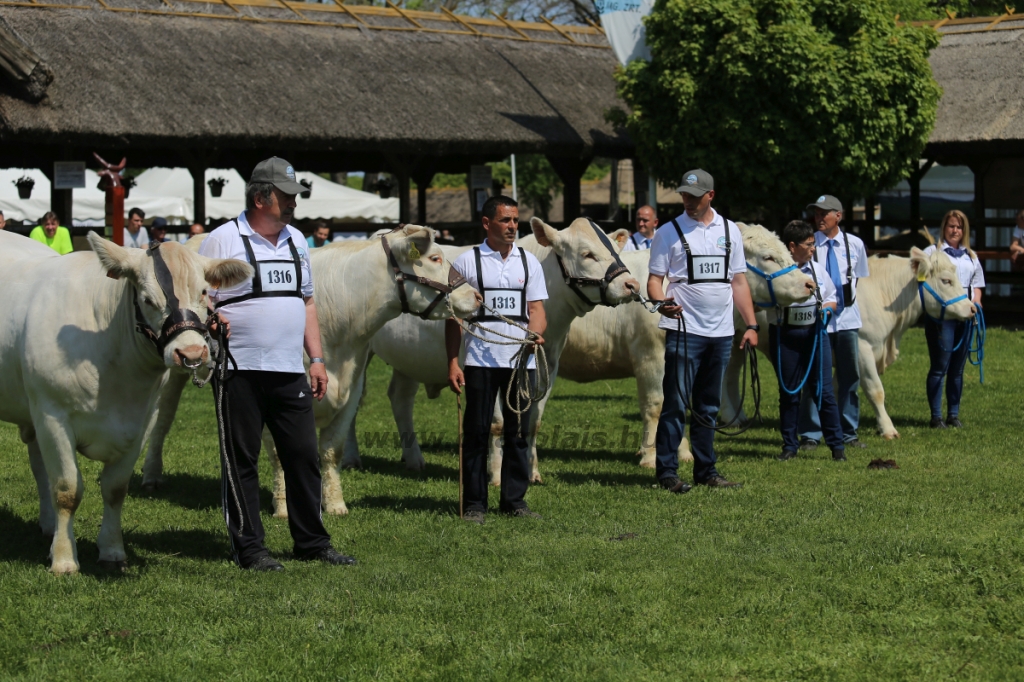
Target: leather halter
614,270
455,280
179,321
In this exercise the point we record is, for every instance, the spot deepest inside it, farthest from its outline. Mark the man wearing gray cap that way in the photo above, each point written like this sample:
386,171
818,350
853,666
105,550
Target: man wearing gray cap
844,259
270,320
701,254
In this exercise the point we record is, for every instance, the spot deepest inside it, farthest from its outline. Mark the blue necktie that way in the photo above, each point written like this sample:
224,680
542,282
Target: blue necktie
955,253
647,243
832,267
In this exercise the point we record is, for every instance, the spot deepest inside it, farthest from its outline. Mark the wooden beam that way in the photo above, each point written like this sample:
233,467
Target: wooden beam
404,15
509,25
560,31
457,18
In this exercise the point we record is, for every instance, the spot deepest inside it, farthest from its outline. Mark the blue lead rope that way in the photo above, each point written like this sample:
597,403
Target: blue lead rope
976,330
820,337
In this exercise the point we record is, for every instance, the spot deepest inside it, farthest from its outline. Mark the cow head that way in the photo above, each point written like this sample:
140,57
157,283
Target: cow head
766,252
418,255
188,274
940,275
590,261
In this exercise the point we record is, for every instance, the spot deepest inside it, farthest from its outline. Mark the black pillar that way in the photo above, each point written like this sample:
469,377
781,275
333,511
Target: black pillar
613,192
980,170
423,173
639,184
868,233
915,193
403,195
198,193
571,171
61,200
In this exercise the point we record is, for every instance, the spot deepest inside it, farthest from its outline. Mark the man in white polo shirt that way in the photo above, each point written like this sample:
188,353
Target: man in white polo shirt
701,254
270,319
511,281
845,261
646,224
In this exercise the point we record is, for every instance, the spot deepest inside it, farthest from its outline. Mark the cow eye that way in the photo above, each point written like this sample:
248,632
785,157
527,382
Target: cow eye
590,256
436,259
769,259
947,282
151,303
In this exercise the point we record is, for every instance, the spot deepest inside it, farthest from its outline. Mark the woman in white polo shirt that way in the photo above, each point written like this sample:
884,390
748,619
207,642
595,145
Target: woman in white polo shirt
947,339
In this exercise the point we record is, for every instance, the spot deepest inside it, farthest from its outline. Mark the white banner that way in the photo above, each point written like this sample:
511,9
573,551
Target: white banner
622,21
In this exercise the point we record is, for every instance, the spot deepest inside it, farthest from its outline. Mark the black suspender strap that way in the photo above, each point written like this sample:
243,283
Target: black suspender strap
257,281
482,314
257,278
689,256
635,242
849,295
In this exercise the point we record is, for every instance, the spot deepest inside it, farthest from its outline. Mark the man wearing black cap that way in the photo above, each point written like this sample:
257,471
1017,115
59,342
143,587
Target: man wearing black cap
844,259
158,230
271,319
701,254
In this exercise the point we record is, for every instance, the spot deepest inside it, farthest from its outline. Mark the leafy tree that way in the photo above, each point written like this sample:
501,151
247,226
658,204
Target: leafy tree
781,100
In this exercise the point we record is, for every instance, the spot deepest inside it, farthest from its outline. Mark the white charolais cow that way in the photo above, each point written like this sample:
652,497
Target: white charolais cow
890,305
356,292
584,256
626,342
76,375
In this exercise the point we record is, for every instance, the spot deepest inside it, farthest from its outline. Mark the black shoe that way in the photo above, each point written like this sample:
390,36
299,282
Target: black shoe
524,513
937,423
808,445
474,516
786,455
329,555
838,455
954,422
264,563
674,485
719,482
855,443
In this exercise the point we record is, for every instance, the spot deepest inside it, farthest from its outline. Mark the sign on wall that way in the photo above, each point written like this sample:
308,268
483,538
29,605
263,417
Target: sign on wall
68,174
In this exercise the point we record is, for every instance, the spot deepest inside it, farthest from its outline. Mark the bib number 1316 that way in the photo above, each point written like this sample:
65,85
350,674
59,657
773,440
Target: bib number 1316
278,277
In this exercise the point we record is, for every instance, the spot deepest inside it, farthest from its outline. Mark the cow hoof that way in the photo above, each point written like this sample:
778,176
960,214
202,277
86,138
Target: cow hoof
891,436
496,483
64,568
352,464
280,511
688,457
336,509
151,486
416,466
648,463
114,565
536,478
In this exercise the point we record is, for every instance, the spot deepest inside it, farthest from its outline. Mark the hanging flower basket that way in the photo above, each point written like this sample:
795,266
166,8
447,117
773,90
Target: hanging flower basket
128,183
216,186
25,185
308,184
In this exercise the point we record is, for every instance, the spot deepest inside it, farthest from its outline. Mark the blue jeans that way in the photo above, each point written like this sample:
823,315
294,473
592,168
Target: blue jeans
795,353
948,360
844,351
697,363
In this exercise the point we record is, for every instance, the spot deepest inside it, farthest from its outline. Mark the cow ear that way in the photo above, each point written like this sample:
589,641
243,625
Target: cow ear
417,241
116,260
619,237
920,263
224,273
545,234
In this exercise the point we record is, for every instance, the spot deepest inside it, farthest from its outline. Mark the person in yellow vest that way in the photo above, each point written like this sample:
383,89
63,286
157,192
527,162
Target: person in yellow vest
52,234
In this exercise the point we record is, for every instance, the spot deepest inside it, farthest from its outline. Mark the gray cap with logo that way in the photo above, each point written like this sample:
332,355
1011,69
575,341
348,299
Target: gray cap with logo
697,182
827,202
278,173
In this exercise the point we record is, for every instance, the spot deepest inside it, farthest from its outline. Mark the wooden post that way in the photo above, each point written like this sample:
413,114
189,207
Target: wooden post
639,184
62,203
198,171
868,234
980,170
571,171
403,195
915,193
613,192
423,174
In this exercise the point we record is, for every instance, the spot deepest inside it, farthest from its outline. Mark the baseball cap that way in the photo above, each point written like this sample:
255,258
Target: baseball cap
697,182
827,202
159,222
278,173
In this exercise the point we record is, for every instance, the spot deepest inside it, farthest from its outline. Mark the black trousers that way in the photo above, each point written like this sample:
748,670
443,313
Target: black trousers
284,403
483,386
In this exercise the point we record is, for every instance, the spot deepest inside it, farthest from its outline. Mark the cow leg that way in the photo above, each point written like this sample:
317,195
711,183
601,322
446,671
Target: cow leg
732,390
402,394
333,455
56,444
114,486
497,429
871,384
47,517
280,498
167,407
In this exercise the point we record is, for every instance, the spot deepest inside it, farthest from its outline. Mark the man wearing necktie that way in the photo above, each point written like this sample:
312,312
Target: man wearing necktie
845,261
646,224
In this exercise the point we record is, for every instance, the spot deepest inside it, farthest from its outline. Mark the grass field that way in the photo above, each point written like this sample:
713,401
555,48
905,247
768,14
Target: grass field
814,570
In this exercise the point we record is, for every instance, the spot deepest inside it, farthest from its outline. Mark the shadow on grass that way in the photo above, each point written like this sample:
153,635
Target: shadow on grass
23,540
610,479
191,491
575,455
417,503
190,543
594,398
396,467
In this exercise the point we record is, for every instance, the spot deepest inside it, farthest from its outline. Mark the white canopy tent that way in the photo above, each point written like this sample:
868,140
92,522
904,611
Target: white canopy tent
328,200
89,208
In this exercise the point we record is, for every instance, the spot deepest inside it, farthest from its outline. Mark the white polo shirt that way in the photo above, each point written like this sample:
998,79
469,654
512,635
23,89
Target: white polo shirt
825,287
968,269
139,240
1018,234
499,273
637,242
266,333
707,307
849,319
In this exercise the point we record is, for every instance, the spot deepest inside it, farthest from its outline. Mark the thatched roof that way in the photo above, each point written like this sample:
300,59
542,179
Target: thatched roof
257,79
982,76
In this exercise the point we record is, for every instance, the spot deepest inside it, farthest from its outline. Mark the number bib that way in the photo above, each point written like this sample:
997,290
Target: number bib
801,316
507,302
707,268
277,275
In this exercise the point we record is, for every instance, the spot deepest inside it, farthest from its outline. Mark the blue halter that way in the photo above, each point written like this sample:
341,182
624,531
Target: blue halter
976,331
922,286
771,288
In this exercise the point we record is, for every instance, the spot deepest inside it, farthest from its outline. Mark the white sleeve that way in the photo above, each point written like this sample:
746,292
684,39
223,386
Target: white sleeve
828,288
307,272
738,257
537,288
861,270
661,252
463,266
979,274
929,250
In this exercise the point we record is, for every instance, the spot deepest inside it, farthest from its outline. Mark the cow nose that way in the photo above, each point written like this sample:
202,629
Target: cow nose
633,285
810,286
190,357
479,298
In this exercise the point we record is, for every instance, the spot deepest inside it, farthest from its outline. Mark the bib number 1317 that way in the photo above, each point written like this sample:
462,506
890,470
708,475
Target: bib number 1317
709,268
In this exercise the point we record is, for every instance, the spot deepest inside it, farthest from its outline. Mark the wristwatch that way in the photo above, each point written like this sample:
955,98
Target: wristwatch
754,327
312,360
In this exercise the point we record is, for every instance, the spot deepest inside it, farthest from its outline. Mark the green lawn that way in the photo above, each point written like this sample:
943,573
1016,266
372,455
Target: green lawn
814,570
